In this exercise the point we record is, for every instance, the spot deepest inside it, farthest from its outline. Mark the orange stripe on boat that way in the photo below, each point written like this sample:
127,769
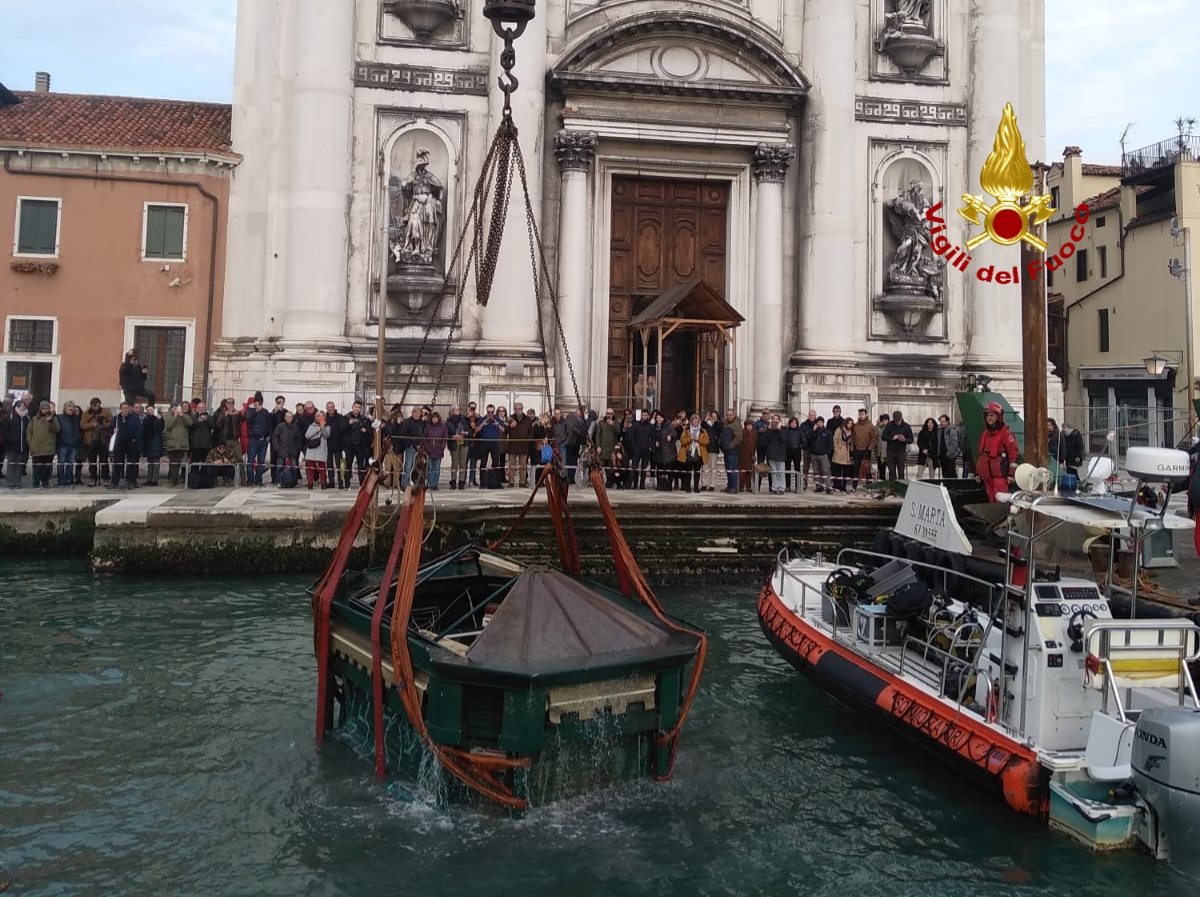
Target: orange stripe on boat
1015,765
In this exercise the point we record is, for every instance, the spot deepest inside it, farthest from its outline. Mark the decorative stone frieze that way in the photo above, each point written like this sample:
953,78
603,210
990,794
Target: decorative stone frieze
909,112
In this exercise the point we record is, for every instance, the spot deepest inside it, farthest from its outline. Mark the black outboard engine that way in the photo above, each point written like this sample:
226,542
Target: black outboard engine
1166,773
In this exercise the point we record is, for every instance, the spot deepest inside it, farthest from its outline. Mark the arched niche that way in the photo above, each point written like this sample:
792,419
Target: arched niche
908,282
400,152
416,280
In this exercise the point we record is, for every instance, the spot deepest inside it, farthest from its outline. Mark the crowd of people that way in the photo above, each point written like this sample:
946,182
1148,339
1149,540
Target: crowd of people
469,447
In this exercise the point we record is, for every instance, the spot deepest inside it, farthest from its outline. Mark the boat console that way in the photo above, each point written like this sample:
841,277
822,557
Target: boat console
1057,710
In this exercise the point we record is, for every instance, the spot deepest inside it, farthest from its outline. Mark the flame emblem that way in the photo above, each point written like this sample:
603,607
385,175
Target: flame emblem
1006,176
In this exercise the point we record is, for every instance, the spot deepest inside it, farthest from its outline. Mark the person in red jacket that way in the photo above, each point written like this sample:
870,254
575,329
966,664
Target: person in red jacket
997,453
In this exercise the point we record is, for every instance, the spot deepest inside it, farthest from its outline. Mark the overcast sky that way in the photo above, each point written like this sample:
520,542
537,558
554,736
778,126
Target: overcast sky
1108,62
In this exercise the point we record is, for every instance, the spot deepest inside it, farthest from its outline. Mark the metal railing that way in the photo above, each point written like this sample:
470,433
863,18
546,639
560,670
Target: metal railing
1109,640
1110,431
967,667
1160,155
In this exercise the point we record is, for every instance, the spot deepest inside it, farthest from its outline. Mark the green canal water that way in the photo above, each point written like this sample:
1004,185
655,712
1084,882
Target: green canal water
156,738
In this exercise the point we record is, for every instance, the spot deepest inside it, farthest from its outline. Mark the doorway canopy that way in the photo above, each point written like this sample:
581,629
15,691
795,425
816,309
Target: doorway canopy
694,307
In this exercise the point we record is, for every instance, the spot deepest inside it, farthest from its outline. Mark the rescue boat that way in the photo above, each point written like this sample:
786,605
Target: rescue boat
1017,677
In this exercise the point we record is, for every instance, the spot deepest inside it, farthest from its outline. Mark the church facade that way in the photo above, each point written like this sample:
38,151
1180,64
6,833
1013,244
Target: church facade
768,163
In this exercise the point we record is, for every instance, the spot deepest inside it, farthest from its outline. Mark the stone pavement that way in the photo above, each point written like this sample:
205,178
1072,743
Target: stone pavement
124,505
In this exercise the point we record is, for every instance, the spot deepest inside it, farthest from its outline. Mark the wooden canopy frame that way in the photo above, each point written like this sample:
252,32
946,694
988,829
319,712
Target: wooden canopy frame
694,306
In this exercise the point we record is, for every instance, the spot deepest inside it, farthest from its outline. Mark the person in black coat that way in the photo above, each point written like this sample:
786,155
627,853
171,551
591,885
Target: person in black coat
1072,449
127,445
152,444
286,442
794,442
897,436
70,440
16,443
339,460
357,439
133,379
639,447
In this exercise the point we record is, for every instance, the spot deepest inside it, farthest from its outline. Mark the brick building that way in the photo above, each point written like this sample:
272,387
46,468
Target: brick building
113,211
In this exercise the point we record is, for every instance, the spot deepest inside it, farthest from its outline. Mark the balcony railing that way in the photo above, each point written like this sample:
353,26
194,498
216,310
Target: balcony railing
1160,155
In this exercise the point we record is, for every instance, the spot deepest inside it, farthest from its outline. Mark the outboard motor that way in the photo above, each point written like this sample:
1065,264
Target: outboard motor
1166,773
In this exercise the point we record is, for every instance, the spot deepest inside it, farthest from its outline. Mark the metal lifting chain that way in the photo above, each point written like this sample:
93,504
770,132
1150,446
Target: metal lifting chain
495,184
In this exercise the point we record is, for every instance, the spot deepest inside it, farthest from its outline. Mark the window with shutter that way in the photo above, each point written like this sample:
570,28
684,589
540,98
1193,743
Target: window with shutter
37,227
165,232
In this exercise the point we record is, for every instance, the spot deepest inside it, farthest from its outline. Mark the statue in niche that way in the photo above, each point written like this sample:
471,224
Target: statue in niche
907,36
416,214
914,268
908,17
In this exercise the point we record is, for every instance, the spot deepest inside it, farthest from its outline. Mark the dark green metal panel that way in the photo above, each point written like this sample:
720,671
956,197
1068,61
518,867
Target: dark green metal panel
524,726
669,697
444,712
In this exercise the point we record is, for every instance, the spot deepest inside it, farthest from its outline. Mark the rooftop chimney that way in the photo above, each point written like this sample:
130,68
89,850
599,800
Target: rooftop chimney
41,82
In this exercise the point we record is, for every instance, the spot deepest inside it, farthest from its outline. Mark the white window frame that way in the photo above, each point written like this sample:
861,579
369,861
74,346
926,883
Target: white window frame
189,342
146,221
53,358
17,233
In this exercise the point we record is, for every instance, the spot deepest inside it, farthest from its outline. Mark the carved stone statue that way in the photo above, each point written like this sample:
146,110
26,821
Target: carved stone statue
416,210
914,268
907,35
906,17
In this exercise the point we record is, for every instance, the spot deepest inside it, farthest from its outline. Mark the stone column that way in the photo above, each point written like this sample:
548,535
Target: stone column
575,151
257,78
993,311
510,316
317,227
770,168
830,278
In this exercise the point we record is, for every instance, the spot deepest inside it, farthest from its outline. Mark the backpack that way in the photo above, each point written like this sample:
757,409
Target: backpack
910,599
313,443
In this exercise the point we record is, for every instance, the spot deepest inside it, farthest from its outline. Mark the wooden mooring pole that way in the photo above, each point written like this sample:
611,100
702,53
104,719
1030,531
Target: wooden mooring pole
1034,358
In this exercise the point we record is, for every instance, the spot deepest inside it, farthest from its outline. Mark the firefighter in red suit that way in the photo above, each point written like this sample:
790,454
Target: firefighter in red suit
997,451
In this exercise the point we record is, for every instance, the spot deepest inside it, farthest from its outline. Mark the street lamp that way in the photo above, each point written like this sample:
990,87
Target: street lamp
1156,364
1184,273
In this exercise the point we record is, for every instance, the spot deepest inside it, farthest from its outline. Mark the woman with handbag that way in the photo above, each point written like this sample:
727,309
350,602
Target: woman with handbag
316,451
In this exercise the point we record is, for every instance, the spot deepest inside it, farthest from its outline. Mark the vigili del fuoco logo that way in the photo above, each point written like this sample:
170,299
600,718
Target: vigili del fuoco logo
1006,177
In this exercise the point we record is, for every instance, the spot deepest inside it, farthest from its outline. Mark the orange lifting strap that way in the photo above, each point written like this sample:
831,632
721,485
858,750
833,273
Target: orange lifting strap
322,597
479,772
629,573
482,773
